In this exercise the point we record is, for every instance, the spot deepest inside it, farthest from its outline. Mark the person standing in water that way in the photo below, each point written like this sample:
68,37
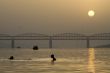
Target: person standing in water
53,58
11,58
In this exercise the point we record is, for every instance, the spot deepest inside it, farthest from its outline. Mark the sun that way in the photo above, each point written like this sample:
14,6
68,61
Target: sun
91,13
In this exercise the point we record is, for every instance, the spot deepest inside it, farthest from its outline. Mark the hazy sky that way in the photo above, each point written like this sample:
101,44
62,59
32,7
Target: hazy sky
54,16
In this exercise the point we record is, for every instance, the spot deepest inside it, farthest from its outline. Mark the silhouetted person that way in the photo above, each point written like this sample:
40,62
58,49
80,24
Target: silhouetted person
35,47
53,58
11,58
18,47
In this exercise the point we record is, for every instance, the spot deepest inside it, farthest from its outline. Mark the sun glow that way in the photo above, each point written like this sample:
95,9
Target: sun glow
91,13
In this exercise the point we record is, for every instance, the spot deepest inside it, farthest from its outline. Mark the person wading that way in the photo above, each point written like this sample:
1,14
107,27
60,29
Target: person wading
53,58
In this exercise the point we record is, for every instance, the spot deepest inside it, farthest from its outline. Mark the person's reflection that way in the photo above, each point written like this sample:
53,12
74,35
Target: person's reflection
91,58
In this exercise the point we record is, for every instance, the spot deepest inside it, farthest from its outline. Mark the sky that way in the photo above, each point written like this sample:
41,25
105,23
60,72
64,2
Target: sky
54,16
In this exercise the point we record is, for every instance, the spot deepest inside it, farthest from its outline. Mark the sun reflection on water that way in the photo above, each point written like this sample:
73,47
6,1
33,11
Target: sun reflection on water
91,58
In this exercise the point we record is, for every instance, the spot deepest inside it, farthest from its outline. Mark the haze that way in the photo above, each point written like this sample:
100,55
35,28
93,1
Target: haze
54,16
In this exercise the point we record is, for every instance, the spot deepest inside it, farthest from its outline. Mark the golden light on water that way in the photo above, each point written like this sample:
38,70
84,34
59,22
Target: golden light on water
91,58
91,13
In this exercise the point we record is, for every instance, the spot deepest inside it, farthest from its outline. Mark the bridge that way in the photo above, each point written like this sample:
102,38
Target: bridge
62,36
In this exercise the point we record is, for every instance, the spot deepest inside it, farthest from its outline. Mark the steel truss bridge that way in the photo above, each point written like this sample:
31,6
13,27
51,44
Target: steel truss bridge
62,36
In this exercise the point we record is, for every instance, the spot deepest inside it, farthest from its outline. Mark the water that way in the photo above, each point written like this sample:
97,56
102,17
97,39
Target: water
80,60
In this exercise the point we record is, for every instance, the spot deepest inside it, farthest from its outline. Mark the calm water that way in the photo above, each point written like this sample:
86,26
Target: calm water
81,60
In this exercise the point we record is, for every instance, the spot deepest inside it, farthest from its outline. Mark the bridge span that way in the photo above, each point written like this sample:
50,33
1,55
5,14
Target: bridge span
62,36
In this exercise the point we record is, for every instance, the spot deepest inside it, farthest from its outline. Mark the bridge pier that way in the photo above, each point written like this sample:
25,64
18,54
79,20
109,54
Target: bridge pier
13,43
88,42
50,42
